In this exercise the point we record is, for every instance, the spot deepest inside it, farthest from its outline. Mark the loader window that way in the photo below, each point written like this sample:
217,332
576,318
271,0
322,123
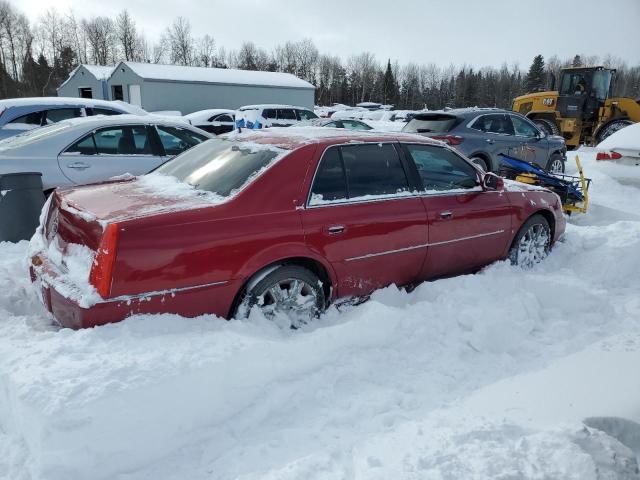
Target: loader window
573,84
601,83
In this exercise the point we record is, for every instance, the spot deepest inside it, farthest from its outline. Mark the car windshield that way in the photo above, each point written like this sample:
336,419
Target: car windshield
222,166
32,136
430,124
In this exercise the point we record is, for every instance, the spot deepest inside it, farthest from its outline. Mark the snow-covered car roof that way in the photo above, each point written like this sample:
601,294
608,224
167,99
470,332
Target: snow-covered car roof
204,115
47,101
269,105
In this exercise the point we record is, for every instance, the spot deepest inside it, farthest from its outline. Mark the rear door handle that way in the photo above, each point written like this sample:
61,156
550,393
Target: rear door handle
446,214
489,141
78,165
335,229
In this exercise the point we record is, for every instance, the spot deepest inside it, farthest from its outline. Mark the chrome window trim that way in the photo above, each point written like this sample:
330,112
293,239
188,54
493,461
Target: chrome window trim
389,197
424,245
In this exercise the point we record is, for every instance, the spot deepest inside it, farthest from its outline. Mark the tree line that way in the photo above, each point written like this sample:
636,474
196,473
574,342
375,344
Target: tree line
36,58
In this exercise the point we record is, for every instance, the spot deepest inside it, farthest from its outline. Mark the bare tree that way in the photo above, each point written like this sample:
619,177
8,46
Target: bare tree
180,42
127,36
100,35
206,55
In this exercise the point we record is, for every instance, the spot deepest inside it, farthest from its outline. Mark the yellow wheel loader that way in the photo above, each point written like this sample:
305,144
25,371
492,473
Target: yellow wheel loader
582,110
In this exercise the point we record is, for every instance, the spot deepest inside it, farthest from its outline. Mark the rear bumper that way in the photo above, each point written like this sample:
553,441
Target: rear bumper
215,298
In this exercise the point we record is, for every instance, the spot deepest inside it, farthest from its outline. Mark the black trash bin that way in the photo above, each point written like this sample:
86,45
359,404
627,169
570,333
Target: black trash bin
21,201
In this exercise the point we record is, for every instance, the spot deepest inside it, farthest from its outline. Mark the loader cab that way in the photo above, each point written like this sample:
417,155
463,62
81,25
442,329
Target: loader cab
583,91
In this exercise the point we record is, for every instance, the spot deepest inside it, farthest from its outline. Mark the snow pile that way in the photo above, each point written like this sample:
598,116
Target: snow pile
625,138
480,376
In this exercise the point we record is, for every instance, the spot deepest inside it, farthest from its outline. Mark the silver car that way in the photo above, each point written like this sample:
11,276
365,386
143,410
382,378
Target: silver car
92,149
19,115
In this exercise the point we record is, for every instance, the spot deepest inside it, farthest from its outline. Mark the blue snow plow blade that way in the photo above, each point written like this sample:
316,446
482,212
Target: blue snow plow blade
565,186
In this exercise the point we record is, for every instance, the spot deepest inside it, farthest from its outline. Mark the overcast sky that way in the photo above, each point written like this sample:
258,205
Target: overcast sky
475,33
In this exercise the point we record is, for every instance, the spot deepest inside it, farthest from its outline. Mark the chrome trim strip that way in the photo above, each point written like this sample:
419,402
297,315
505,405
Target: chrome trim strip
370,255
171,291
480,235
425,245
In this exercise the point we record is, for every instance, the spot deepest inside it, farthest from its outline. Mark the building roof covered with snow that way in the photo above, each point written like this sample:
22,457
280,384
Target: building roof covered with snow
230,76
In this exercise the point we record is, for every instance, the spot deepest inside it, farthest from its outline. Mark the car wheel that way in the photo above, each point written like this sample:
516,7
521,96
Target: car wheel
532,243
481,162
288,294
612,128
556,163
547,126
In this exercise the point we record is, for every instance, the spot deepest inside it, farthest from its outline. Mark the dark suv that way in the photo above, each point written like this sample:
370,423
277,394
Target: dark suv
482,134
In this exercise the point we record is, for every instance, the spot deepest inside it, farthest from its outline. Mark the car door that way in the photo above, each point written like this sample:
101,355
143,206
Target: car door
468,226
362,218
497,134
533,147
110,151
175,140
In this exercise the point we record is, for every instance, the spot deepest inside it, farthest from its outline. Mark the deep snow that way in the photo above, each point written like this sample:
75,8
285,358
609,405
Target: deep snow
503,374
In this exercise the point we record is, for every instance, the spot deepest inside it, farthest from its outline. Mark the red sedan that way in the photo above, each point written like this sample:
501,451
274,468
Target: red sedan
286,220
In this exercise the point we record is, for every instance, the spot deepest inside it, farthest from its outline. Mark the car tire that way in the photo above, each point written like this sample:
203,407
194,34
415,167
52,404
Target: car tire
612,128
481,162
275,295
556,163
547,126
532,243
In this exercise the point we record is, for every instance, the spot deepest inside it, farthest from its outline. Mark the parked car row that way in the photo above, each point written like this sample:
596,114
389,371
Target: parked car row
80,151
283,220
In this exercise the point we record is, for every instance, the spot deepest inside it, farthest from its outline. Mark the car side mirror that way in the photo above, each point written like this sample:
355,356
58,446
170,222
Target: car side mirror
491,181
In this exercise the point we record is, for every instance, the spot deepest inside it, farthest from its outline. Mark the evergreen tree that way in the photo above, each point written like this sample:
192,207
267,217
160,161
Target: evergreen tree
577,61
536,76
389,86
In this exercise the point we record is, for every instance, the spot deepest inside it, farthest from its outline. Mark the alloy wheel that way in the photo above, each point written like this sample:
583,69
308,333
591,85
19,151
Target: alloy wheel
290,298
533,246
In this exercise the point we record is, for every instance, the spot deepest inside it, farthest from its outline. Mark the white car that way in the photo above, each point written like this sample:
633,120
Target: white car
623,146
93,149
214,120
263,116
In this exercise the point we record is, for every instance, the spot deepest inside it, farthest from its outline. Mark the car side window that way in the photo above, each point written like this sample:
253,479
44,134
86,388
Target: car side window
103,111
522,127
496,123
224,118
373,169
353,125
440,169
84,146
177,140
306,115
33,118
269,113
58,114
286,114
125,140
330,182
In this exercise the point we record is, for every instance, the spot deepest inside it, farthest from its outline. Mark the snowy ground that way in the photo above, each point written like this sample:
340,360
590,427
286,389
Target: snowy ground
501,375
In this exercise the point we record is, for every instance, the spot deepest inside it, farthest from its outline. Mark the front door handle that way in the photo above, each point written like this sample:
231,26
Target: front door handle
335,229
490,141
78,165
446,214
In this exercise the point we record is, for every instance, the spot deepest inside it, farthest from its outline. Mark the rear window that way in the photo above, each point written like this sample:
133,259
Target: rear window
430,124
222,166
32,136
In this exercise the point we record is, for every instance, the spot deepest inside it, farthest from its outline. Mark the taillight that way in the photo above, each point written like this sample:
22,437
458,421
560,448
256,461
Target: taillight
102,269
608,156
450,139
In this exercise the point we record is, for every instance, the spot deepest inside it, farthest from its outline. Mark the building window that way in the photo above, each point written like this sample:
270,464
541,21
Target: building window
85,92
116,92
